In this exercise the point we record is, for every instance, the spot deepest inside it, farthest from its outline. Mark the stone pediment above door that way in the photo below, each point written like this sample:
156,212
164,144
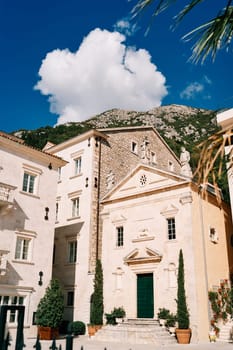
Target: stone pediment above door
142,256
144,179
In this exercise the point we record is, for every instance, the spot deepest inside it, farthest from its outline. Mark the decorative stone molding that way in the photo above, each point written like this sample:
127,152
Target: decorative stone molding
169,211
142,256
143,236
118,219
186,198
6,203
3,262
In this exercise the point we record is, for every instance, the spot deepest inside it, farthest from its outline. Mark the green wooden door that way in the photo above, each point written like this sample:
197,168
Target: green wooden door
145,296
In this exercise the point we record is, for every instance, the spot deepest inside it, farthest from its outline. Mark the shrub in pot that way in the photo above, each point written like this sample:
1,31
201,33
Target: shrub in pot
116,315
171,320
119,312
110,319
183,332
49,313
97,303
77,328
163,315
171,323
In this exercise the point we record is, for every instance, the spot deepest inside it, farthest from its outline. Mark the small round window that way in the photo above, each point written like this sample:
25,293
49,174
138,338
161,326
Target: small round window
143,180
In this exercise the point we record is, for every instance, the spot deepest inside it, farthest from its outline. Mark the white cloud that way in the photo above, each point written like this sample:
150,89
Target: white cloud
207,80
102,74
192,90
126,27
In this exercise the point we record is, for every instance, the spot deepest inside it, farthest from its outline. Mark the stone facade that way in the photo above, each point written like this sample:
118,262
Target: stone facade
119,156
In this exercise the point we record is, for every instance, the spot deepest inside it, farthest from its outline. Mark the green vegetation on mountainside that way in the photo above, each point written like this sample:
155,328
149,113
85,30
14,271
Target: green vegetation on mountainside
178,125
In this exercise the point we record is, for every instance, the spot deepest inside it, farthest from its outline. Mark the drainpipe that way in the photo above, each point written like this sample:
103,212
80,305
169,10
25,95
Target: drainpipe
204,248
98,202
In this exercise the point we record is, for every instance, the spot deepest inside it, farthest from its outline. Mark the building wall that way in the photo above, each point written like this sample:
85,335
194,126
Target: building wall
117,154
211,254
99,156
81,228
145,226
25,217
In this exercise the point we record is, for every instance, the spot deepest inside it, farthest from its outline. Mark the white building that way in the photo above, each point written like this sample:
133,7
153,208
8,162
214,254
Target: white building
124,197
121,195
97,161
28,179
147,218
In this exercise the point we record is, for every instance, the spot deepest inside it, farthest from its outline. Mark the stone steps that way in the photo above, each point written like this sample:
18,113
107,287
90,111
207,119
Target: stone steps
136,331
225,334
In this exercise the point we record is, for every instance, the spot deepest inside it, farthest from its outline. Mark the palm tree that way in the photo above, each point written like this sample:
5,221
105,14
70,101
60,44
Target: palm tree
211,36
212,158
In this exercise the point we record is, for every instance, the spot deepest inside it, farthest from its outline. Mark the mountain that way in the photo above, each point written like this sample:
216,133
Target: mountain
177,124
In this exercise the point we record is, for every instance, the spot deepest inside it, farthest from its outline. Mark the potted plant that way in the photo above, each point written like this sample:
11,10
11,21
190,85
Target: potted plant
49,312
183,332
97,304
76,328
163,315
171,323
119,314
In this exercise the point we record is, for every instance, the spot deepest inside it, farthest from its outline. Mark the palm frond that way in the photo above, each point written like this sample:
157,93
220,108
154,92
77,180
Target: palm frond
160,6
212,157
178,18
213,35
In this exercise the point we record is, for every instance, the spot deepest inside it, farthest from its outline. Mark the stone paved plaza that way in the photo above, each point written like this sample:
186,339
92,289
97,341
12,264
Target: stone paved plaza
91,344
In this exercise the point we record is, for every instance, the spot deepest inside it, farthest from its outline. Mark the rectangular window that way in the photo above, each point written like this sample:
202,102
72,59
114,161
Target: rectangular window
29,183
5,300
78,166
72,251
22,248
170,166
134,147
171,227
153,158
120,236
75,207
70,298
11,300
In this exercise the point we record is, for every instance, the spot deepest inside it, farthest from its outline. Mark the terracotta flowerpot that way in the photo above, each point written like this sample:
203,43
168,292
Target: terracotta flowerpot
91,330
47,333
183,335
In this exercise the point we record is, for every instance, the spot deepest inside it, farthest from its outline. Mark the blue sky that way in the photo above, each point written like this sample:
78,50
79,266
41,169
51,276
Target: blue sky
66,60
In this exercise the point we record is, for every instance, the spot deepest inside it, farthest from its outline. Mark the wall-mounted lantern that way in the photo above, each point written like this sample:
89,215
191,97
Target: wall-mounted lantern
40,282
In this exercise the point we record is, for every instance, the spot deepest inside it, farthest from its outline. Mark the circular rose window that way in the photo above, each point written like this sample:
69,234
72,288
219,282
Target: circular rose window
143,180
